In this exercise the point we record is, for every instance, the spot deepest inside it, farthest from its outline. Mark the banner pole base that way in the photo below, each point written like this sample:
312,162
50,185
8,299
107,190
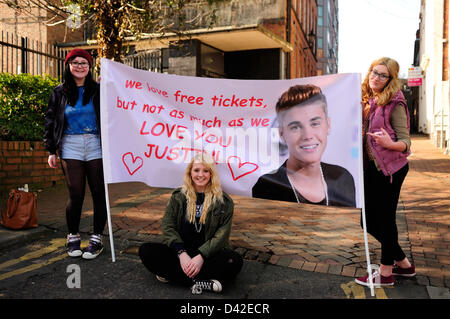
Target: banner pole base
110,231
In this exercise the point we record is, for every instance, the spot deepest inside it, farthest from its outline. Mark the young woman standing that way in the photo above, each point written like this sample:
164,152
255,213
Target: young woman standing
386,148
72,130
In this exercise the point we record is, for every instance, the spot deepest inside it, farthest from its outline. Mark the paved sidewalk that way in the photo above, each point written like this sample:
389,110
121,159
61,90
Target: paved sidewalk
308,237
426,199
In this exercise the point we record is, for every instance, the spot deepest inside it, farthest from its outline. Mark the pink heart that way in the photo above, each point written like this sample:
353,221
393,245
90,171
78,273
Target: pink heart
132,164
244,168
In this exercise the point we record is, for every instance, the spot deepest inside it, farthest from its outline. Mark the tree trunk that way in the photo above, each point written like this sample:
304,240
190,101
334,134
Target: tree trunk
110,20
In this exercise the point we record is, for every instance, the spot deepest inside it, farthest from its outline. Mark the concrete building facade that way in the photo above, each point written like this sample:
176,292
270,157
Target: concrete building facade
327,36
433,58
252,39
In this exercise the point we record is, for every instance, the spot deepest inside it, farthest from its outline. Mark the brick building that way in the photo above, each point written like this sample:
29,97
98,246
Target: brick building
29,39
303,26
36,25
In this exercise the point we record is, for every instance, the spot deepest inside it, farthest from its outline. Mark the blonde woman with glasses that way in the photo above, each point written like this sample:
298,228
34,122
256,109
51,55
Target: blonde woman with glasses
196,228
386,147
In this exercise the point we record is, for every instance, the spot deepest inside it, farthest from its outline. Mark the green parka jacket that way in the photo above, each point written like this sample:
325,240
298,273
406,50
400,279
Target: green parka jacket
217,224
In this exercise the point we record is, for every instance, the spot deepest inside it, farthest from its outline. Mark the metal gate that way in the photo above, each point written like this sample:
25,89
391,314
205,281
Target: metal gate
22,55
150,61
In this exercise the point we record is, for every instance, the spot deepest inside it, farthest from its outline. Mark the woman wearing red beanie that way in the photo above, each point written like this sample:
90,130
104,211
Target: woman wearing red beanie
72,130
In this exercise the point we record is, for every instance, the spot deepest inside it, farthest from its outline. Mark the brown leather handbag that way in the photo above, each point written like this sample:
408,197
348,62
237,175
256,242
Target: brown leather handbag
20,210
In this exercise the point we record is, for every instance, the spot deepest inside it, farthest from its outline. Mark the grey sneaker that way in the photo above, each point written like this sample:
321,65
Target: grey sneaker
94,248
210,285
73,245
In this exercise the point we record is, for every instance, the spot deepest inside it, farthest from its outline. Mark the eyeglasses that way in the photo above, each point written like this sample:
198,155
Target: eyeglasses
382,77
83,65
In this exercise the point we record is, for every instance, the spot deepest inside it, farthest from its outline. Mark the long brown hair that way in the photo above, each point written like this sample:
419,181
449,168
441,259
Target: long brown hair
213,191
70,87
391,88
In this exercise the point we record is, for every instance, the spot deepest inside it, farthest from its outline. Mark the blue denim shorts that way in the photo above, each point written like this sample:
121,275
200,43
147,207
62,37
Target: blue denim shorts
83,147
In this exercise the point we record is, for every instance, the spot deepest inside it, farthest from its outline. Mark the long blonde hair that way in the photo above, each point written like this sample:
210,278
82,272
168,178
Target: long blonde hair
391,88
213,191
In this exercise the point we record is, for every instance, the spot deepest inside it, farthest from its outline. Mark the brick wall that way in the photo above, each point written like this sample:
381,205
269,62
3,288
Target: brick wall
32,25
25,162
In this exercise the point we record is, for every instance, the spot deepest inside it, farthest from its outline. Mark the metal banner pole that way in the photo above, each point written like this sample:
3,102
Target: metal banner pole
105,146
363,204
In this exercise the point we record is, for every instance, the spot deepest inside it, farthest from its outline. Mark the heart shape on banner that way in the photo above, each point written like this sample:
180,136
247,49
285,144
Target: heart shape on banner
130,162
242,169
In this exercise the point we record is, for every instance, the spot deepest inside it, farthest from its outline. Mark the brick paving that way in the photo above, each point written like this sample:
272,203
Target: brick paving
426,200
307,237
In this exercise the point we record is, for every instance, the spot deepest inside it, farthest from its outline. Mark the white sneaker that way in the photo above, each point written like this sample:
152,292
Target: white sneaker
73,245
378,280
95,247
162,279
210,285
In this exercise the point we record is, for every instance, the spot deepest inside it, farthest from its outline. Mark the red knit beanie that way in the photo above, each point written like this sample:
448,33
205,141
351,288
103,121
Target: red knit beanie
81,53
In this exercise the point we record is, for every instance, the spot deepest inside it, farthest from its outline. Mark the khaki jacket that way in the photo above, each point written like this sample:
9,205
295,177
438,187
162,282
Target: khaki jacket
217,224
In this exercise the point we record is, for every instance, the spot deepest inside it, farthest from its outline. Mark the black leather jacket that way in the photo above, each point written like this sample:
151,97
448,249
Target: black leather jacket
54,117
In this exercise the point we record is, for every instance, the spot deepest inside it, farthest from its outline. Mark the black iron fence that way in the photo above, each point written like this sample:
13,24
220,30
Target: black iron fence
155,61
23,55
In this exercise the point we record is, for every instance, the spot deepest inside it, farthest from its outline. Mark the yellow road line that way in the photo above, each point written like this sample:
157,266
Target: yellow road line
380,293
32,267
55,244
358,292
355,289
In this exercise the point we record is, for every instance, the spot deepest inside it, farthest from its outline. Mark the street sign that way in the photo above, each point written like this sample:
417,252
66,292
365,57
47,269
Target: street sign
415,77
415,82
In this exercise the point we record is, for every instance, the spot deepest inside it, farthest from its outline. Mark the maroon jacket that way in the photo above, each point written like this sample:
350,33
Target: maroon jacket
379,117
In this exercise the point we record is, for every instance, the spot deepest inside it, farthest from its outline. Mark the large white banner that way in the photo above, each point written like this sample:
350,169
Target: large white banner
152,124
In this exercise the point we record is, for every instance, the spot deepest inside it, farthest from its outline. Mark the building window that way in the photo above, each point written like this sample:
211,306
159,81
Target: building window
320,43
319,15
299,10
319,53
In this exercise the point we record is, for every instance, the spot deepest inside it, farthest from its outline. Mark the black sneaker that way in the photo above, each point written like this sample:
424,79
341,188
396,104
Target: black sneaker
73,245
210,285
95,247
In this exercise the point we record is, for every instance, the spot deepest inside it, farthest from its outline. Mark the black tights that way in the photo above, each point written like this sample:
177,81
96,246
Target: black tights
75,173
163,261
